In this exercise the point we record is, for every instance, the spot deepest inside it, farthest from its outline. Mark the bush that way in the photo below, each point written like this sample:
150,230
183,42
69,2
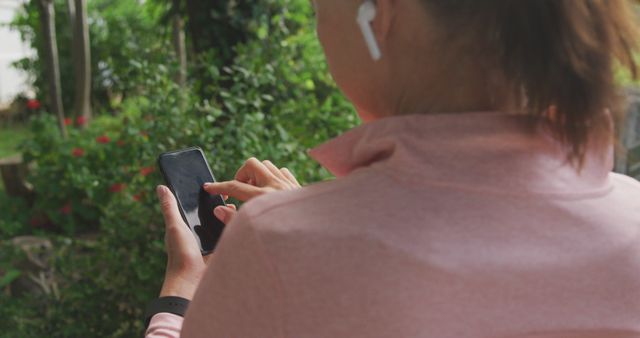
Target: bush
95,189
14,217
121,32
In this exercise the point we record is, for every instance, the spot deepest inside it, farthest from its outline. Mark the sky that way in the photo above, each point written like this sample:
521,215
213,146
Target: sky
12,49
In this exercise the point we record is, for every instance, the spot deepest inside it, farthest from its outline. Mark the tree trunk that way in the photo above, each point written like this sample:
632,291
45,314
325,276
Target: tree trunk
180,49
81,59
47,23
71,8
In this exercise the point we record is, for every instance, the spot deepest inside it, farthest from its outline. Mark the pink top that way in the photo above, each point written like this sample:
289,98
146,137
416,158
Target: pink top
447,226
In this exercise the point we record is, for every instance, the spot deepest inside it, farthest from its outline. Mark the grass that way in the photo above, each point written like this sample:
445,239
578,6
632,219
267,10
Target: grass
10,138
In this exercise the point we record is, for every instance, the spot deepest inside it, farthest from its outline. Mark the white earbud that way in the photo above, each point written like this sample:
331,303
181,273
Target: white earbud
366,14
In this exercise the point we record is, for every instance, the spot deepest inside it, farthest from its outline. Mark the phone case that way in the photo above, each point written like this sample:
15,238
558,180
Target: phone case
168,182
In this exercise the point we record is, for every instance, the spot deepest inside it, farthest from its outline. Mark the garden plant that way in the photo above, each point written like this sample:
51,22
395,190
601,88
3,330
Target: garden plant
93,191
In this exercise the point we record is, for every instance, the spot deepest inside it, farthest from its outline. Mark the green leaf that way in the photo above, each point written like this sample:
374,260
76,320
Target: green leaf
9,277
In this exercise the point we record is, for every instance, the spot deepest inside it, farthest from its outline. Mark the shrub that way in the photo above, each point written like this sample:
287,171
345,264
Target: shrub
96,188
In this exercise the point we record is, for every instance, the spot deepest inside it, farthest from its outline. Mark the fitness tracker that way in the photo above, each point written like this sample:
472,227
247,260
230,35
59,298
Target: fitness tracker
175,305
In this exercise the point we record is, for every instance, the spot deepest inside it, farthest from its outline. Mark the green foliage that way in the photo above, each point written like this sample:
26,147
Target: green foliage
624,76
14,216
274,101
120,31
217,27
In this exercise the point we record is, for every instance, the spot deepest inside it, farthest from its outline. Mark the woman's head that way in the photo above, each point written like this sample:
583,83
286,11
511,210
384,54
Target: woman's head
468,55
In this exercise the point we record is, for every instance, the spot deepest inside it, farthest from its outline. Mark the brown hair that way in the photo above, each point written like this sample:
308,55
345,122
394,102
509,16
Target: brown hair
555,53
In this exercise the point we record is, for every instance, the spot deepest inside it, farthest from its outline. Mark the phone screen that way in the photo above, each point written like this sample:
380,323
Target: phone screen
186,171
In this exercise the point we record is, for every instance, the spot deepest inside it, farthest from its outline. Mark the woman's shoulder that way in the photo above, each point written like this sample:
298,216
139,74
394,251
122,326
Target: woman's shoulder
627,189
325,193
626,182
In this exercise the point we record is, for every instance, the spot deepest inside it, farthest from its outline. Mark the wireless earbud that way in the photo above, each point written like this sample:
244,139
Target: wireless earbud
366,14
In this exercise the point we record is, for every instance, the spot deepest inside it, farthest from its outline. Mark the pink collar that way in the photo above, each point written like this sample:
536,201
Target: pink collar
492,150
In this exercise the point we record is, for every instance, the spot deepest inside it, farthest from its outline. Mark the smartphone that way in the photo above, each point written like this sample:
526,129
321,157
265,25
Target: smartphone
185,172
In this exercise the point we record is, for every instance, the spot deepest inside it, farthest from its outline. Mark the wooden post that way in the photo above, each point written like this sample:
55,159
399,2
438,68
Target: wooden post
14,176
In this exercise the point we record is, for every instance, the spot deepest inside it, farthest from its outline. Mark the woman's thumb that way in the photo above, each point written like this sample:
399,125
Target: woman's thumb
169,206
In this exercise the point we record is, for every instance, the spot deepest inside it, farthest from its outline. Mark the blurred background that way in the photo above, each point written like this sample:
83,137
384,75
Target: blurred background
12,81
92,91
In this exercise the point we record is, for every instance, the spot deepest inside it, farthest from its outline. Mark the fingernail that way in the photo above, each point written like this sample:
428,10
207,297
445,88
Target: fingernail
220,213
160,191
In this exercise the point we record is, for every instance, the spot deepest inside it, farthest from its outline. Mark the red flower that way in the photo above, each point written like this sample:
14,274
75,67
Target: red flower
120,143
35,221
66,209
117,187
40,221
146,171
77,152
33,104
138,197
81,120
104,139
68,121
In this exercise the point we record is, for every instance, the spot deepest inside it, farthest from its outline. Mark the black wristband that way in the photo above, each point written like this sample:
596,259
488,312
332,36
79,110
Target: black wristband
175,305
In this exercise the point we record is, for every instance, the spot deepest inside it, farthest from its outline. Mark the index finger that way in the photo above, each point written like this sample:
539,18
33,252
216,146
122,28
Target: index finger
253,170
235,189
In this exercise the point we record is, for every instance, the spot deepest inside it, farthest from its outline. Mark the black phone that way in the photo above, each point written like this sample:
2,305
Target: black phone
185,172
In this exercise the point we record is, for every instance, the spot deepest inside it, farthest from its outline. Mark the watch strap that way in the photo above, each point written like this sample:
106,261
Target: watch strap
175,305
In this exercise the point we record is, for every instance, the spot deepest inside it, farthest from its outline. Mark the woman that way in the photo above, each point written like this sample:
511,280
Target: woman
475,201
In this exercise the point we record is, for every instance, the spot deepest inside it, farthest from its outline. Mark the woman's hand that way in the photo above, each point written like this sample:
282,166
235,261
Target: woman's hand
185,264
254,178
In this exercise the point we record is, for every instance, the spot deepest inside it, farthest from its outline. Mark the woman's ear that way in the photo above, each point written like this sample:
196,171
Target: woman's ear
375,26
385,17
